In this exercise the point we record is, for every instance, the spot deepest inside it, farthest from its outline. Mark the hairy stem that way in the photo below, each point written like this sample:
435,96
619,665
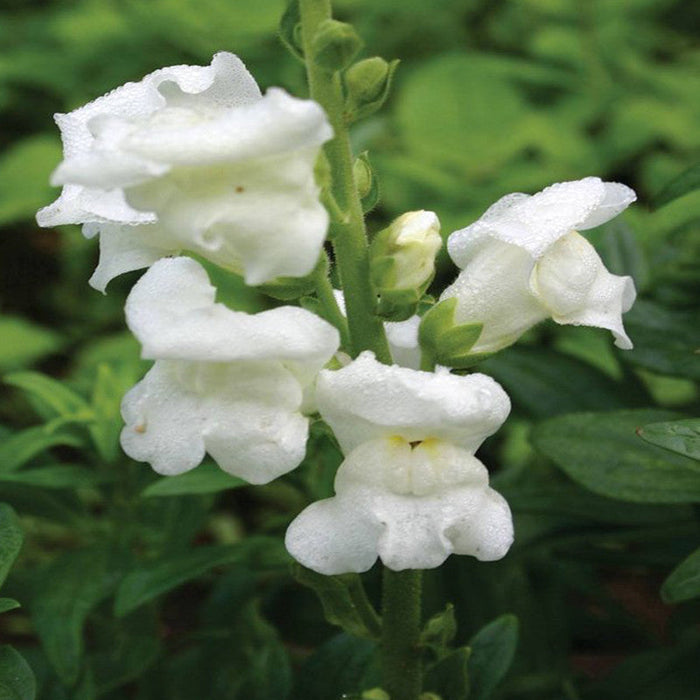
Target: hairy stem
350,237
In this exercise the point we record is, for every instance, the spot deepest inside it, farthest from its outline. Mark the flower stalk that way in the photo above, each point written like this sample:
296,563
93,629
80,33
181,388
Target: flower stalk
349,233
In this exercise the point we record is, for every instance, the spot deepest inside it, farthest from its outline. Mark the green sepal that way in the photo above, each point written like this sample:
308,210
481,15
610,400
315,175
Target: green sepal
439,631
343,600
290,288
397,304
447,343
367,85
334,45
290,30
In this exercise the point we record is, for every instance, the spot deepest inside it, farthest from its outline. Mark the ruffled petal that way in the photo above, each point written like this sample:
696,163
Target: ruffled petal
572,282
173,313
383,508
493,289
535,223
246,417
225,83
124,249
367,400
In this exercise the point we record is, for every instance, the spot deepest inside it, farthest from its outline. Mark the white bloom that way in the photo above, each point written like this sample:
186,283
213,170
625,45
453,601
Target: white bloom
523,261
224,382
195,158
410,489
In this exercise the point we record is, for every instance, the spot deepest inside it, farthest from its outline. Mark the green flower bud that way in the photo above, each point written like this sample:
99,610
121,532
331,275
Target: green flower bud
375,694
334,45
367,85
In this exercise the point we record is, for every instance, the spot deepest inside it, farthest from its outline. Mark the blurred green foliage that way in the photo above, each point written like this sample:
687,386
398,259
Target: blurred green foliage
133,586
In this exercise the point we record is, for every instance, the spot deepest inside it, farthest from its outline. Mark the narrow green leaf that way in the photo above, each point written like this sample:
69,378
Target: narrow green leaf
10,539
493,648
106,404
8,604
682,436
687,181
343,600
16,678
19,448
206,478
683,583
52,394
62,595
602,452
449,677
23,342
143,585
59,476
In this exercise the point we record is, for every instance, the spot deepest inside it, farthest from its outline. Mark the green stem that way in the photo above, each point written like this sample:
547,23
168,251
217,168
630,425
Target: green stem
401,622
350,236
332,312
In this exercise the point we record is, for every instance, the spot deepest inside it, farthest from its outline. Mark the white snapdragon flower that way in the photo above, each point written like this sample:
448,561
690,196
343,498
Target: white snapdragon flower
410,489
224,382
523,261
195,158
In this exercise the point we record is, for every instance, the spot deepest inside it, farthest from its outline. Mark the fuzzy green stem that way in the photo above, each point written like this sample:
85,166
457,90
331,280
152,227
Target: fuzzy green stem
350,237
401,623
331,310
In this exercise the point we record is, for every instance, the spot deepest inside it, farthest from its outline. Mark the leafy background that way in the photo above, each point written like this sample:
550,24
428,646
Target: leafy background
135,587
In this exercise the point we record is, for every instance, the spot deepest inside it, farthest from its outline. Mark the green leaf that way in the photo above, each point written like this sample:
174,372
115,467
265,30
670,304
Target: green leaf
59,476
206,478
439,631
665,340
493,648
51,394
683,583
687,181
24,177
8,604
682,436
16,678
546,383
143,585
107,394
23,342
623,254
21,447
63,593
342,666
602,452
449,677
344,601
10,539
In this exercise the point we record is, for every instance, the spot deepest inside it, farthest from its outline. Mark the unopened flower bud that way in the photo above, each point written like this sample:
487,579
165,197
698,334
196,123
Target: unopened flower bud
335,45
402,262
367,85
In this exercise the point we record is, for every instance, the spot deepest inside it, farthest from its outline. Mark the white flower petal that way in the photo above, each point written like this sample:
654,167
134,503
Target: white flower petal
572,282
403,341
493,289
616,199
383,508
246,416
367,400
124,248
535,223
225,83
173,313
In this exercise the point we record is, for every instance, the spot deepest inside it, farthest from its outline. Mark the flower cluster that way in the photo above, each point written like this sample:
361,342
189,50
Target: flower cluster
196,159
